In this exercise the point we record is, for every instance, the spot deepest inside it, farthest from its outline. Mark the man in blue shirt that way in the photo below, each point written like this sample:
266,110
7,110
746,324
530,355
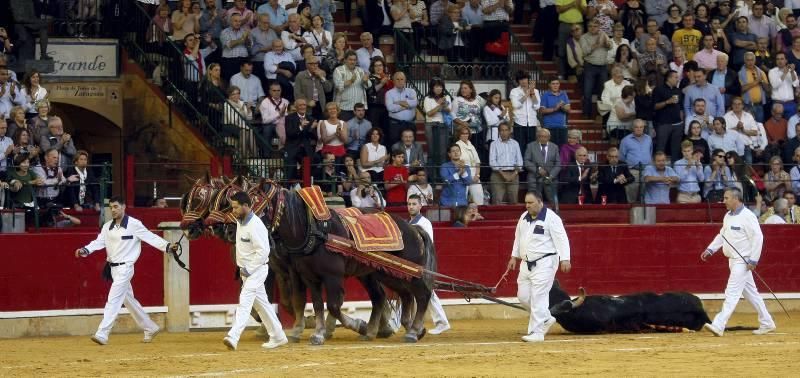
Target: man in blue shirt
658,178
457,178
636,150
554,109
715,103
690,172
278,17
401,102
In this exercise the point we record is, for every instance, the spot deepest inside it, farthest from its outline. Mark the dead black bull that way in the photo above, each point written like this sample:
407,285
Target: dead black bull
640,312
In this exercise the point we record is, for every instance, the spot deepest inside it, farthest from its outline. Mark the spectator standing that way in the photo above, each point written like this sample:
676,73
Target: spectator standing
453,36
24,146
235,46
755,87
318,38
543,164
636,150
312,84
725,79
247,17
688,37
237,119
367,51
250,86
82,191
58,140
279,67
34,92
359,128
785,37
790,148
274,109
698,142
21,181
333,132
49,191
742,122
595,46
604,12
570,14
784,83
545,29
335,57
301,137
494,113
657,10
467,111
622,115
11,93
469,155
658,178
690,175
742,41
631,15
505,159
437,106
496,18
663,45
395,178
195,67
292,37
211,21
706,58
715,103
374,155
612,91
612,179
325,10
776,180
6,149
351,83
668,22
381,83
794,173
667,115
378,20
262,37
555,108
401,103
184,21
760,24
525,103
457,177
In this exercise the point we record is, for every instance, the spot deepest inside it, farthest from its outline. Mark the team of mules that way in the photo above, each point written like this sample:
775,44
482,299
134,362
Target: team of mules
300,259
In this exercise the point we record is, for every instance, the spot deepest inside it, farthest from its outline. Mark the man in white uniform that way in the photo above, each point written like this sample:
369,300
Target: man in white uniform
743,233
122,238
252,254
437,312
540,242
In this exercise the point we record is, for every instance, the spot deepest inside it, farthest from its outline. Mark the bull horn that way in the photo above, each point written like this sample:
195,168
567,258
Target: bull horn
579,300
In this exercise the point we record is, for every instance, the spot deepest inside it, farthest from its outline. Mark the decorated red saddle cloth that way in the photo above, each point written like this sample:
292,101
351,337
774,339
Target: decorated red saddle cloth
315,201
371,232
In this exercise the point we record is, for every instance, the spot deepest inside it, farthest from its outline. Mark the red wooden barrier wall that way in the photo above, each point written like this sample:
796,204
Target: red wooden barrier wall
41,273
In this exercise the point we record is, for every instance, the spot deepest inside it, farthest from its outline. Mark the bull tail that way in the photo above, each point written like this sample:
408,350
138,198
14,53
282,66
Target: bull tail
740,328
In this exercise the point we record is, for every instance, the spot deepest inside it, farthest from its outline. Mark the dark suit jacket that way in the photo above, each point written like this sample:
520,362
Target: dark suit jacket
533,160
607,187
72,190
300,140
374,15
571,186
732,86
416,152
447,33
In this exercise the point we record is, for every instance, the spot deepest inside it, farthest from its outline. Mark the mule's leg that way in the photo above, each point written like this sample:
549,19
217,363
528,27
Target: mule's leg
318,338
334,290
378,298
297,298
407,302
422,295
385,328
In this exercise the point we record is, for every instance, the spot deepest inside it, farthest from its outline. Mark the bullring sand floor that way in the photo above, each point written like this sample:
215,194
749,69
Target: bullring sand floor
470,348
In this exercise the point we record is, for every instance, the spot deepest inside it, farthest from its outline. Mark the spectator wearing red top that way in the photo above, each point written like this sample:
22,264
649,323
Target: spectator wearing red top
395,177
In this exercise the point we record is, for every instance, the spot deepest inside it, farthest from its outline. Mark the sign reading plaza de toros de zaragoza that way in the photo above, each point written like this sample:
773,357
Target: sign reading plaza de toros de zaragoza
84,58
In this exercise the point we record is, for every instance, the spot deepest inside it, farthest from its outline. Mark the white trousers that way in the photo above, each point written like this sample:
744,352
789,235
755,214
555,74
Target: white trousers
122,292
253,291
476,193
437,312
533,291
741,281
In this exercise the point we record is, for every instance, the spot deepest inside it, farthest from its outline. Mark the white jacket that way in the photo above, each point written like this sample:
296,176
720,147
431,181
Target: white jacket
252,244
741,229
536,237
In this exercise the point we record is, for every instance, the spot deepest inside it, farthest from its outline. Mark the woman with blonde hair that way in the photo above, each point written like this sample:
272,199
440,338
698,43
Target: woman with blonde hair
776,180
238,115
333,132
469,155
335,55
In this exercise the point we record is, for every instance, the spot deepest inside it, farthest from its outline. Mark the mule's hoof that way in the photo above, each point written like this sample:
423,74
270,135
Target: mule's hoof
328,336
293,339
317,340
422,333
410,338
365,338
362,327
385,334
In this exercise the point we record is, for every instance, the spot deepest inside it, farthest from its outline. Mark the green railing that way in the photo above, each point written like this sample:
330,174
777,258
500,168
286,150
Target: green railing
204,107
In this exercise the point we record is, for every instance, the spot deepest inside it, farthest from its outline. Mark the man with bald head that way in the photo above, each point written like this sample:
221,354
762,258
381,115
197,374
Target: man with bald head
311,84
576,177
279,66
401,103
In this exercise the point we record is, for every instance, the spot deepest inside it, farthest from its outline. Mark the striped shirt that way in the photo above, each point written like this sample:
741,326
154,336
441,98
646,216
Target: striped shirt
348,95
499,14
229,35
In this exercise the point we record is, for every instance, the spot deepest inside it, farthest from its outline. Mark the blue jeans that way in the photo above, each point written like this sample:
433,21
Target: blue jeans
757,110
593,76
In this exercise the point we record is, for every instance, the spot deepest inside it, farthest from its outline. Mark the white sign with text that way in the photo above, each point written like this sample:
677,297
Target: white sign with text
89,58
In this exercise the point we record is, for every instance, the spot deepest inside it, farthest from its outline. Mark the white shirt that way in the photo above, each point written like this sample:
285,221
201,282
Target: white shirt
747,120
271,61
740,227
252,244
782,85
536,237
315,40
423,193
493,116
123,242
367,201
524,108
249,87
4,143
365,58
775,219
423,222
429,104
791,126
